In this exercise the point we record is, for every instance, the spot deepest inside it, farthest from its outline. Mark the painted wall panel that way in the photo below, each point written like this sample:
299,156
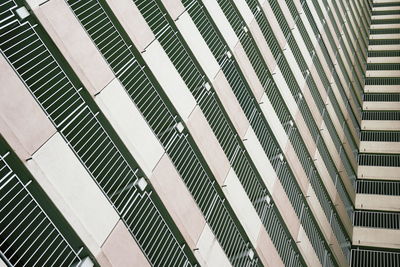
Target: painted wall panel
170,80
130,125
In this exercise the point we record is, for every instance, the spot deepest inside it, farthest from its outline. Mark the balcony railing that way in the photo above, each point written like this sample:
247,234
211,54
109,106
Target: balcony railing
387,188
28,236
371,258
377,219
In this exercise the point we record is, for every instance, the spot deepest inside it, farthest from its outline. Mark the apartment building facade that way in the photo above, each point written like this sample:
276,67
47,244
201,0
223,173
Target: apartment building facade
199,133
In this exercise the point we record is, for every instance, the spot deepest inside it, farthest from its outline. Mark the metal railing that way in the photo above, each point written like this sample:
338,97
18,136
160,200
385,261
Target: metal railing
231,72
381,115
384,53
380,97
178,146
385,31
384,41
387,188
28,236
373,136
383,66
377,219
81,128
372,258
385,21
379,160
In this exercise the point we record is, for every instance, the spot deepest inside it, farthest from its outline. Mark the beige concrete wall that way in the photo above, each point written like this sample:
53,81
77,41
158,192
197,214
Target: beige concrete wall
22,121
383,36
372,125
374,237
383,59
178,201
382,73
248,71
306,248
385,26
133,22
273,22
381,105
260,160
378,202
76,46
380,147
231,104
382,89
208,145
266,250
187,216
120,249
380,173
262,45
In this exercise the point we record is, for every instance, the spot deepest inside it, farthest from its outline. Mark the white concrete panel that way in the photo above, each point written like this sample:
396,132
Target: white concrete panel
375,237
74,43
242,206
380,147
383,73
385,26
378,202
308,27
178,201
273,121
198,46
382,89
133,22
222,23
380,125
383,59
210,250
208,145
174,7
379,173
285,92
170,80
130,125
306,249
244,10
294,66
22,121
74,192
300,42
384,36
2,263
259,159
315,15
374,105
